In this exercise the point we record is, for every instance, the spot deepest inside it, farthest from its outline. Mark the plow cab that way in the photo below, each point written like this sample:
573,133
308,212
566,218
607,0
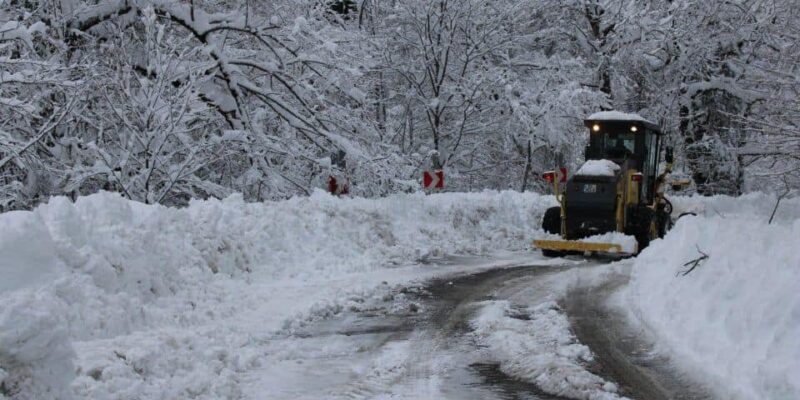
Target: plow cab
614,203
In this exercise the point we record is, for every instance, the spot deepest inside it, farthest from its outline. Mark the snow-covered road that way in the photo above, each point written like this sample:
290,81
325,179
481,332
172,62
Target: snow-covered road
626,354
495,334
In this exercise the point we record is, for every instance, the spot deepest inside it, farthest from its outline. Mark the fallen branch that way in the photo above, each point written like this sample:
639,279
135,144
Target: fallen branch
693,263
778,203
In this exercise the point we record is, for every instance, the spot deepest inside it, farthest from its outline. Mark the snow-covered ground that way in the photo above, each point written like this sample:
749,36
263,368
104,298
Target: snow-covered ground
735,318
531,337
106,298
540,349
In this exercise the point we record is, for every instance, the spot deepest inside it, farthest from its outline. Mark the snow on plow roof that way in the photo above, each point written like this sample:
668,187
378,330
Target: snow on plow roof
617,116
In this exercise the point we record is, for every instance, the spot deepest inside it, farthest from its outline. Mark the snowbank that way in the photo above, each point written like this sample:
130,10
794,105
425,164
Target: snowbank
28,252
752,206
736,317
598,168
107,298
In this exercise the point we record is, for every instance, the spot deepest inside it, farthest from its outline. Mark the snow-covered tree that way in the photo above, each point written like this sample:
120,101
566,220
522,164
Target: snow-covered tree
168,100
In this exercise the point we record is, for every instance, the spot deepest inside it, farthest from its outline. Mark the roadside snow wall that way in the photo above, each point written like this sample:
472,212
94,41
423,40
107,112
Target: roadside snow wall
102,269
736,317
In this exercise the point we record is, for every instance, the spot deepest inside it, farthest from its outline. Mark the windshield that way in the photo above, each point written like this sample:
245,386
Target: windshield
618,145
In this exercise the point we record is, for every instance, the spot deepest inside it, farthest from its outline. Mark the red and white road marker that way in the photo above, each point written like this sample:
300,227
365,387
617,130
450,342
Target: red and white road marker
559,175
433,179
337,188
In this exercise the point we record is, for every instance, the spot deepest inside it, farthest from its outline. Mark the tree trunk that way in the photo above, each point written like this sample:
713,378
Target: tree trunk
527,168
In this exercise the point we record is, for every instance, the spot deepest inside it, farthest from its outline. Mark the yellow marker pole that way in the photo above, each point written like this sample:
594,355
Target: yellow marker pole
619,215
560,199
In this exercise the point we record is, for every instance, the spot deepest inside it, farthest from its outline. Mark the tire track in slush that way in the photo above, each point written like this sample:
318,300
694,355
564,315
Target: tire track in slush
443,362
622,354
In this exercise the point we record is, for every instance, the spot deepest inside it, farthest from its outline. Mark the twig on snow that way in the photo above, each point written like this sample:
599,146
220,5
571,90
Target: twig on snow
693,263
778,203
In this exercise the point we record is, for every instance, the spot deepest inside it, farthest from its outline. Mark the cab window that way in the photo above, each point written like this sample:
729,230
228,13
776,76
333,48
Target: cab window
618,145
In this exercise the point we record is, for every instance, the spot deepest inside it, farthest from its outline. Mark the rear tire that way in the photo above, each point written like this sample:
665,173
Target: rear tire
664,224
664,218
642,226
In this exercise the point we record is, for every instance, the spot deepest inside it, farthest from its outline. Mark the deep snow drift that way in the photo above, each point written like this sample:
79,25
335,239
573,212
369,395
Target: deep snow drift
735,318
108,298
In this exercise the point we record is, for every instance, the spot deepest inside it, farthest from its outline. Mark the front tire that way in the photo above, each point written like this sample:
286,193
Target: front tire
552,253
643,226
551,223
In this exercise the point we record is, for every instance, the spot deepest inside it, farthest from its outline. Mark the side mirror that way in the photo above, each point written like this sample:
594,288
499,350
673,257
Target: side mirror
668,156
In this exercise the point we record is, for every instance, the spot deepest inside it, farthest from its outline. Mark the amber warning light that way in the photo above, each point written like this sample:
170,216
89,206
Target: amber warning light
559,175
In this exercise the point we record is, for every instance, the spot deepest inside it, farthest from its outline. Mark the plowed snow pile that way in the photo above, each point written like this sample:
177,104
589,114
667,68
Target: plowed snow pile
107,298
735,318
541,349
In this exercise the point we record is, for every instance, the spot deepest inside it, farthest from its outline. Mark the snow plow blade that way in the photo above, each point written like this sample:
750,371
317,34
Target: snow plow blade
572,245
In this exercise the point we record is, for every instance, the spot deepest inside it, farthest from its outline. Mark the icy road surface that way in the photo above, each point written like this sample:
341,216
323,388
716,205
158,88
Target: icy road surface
517,332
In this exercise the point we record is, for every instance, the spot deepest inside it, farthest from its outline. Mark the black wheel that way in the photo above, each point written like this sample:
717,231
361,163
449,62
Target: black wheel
664,216
667,207
643,241
551,223
664,224
552,253
643,225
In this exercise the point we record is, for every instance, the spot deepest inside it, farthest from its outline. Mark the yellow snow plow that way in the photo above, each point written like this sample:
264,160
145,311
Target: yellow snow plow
614,204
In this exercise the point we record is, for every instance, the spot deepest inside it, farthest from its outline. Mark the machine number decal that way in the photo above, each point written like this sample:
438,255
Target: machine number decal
589,188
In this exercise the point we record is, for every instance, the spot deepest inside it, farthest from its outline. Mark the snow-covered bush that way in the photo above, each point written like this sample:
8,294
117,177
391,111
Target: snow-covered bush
164,100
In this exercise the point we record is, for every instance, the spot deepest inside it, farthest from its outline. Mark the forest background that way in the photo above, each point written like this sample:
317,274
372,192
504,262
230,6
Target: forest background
164,101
